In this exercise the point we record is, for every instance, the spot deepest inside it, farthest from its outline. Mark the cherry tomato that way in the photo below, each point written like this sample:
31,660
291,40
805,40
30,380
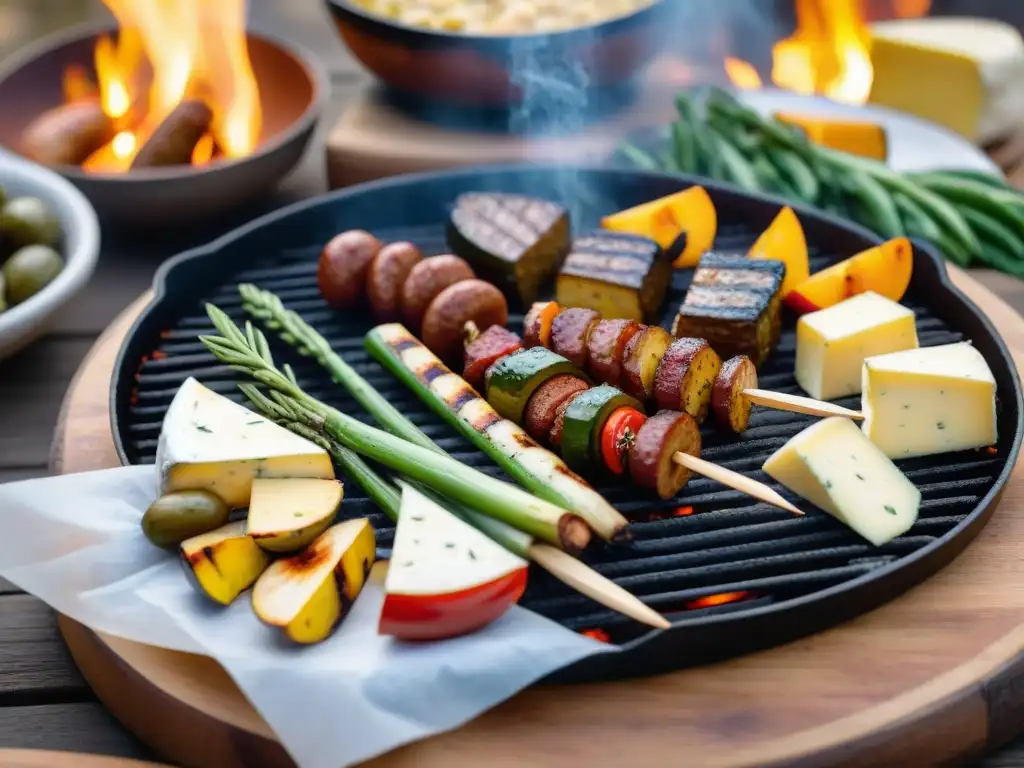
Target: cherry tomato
617,437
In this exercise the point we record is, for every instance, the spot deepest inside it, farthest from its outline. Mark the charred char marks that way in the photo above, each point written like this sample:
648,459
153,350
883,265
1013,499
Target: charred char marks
464,396
524,440
401,346
487,422
308,559
432,372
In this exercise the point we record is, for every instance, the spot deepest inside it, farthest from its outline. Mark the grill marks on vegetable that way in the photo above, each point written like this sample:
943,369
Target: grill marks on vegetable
750,546
512,239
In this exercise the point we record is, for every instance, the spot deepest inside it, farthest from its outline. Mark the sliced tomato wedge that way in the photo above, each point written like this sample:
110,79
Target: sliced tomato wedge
618,436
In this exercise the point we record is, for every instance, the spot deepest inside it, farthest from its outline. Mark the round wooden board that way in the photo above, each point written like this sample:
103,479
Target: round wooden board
933,676
42,758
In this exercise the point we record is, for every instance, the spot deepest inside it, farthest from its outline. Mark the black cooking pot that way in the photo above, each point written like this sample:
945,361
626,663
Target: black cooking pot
496,71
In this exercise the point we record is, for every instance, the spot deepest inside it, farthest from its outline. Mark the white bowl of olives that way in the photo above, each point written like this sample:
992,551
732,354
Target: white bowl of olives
49,244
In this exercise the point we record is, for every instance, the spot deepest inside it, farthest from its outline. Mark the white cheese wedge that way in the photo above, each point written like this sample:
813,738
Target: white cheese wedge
831,344
964,73
835,467
210,443
931,400
436,553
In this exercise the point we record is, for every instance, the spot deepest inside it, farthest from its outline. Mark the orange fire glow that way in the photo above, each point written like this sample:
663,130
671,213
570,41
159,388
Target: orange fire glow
710,601
830,51
195,49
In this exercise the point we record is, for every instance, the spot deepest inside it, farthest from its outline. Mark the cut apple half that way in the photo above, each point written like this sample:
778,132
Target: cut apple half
445,577
223,563
308,594
285,515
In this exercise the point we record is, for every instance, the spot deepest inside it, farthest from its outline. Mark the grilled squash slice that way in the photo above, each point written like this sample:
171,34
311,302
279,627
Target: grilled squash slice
620,276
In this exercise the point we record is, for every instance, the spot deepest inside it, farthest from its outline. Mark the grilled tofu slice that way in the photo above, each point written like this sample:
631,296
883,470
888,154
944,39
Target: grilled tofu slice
514,241
735,304
621,276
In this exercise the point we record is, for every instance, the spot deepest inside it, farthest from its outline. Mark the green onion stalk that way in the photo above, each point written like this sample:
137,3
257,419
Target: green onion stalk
265,306
249,353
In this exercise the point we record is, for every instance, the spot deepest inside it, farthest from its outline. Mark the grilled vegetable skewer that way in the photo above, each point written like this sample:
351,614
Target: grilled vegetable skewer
682,374
448,395
606,428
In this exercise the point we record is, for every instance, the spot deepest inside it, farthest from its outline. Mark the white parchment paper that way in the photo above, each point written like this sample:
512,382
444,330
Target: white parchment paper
75,542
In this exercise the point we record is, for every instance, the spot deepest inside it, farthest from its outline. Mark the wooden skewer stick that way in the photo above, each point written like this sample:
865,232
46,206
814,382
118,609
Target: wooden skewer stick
797,404
734,480
585,579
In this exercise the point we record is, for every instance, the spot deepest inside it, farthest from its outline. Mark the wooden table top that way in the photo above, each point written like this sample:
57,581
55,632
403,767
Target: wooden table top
44,702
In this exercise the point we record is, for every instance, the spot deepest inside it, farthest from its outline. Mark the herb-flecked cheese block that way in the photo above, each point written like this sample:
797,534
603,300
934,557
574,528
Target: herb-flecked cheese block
516,242
210,443
834,466
921,402
618,275
735,304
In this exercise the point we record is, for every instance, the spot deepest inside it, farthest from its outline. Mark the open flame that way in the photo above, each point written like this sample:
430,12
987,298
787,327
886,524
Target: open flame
196,51
830,51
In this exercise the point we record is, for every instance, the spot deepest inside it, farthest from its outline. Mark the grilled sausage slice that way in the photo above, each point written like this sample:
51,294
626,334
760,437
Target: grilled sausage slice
343,267
542,408
388,273
427,279
731,406
470,301
650,462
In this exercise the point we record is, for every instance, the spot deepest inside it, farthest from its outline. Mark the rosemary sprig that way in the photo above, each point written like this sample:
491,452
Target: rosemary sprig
488,495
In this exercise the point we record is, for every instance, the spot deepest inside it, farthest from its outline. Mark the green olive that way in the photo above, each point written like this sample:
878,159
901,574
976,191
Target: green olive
30,270
178,516
28,221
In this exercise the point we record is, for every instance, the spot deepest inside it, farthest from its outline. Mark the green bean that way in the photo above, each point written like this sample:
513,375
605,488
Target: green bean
991,230
881,212
796,172
735,166
934,205
994,256
979,177
916,222
684,147
640,157
980,197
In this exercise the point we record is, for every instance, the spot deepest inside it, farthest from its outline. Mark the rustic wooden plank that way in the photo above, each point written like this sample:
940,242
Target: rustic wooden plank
31,388
75,727
35,667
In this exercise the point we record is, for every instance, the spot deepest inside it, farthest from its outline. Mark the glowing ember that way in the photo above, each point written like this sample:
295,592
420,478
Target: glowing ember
829,53
596,634
195,50
683,511
710,601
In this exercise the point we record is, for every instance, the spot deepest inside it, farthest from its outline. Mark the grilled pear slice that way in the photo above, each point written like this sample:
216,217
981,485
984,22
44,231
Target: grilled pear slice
285,515
309,594
224,562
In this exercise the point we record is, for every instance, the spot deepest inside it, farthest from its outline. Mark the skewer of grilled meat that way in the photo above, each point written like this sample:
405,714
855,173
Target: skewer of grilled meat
646,362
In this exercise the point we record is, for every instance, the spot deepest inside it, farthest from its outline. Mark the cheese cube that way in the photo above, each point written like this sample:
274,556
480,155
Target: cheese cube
210,443
835,467
932,400
831,344
964,73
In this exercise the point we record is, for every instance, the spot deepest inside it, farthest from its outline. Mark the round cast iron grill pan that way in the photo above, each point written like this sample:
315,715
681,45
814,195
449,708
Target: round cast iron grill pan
800,575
